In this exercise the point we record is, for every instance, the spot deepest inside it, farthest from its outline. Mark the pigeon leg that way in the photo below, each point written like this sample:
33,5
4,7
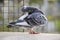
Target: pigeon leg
31,31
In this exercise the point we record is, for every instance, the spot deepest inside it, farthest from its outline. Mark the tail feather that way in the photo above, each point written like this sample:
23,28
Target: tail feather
18,23
12,24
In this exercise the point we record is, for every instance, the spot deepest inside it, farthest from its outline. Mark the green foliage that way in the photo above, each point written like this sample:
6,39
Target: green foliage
1,17
58,25
12,29
5,29
58,1
35,1
50,17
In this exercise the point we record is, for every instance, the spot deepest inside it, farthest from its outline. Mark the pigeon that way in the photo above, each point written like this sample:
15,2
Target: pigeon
31,17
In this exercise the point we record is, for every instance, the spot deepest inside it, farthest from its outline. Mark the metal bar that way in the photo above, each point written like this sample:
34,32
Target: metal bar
18,13
13,14
3,17
8,14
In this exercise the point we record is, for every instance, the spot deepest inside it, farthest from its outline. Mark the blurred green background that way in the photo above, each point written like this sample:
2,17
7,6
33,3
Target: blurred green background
10,10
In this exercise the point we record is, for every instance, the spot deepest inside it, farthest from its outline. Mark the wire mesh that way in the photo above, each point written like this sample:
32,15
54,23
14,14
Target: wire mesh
10,11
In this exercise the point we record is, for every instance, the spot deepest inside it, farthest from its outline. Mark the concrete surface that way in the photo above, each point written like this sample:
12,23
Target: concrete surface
26,36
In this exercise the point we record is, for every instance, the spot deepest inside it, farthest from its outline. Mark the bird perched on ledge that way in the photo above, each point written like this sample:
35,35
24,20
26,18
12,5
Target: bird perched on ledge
31,17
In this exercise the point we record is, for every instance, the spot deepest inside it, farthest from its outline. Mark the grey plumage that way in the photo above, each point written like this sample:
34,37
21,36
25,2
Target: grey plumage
34,17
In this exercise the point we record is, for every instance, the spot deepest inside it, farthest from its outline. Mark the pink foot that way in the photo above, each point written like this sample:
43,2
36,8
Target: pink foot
33,32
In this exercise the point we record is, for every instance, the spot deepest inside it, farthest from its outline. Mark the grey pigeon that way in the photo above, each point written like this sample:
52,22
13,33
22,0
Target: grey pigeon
32,17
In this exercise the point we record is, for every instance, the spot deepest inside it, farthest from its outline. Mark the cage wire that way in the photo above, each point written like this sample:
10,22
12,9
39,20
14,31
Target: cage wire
10,12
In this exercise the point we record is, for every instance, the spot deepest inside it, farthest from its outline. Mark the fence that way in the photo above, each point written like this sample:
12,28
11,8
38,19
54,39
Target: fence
9,11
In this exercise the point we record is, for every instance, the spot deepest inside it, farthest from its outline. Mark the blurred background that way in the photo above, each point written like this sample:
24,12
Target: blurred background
10,10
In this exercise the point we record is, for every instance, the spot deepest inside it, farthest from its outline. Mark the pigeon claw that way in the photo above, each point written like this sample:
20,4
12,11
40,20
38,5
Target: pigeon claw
33,32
